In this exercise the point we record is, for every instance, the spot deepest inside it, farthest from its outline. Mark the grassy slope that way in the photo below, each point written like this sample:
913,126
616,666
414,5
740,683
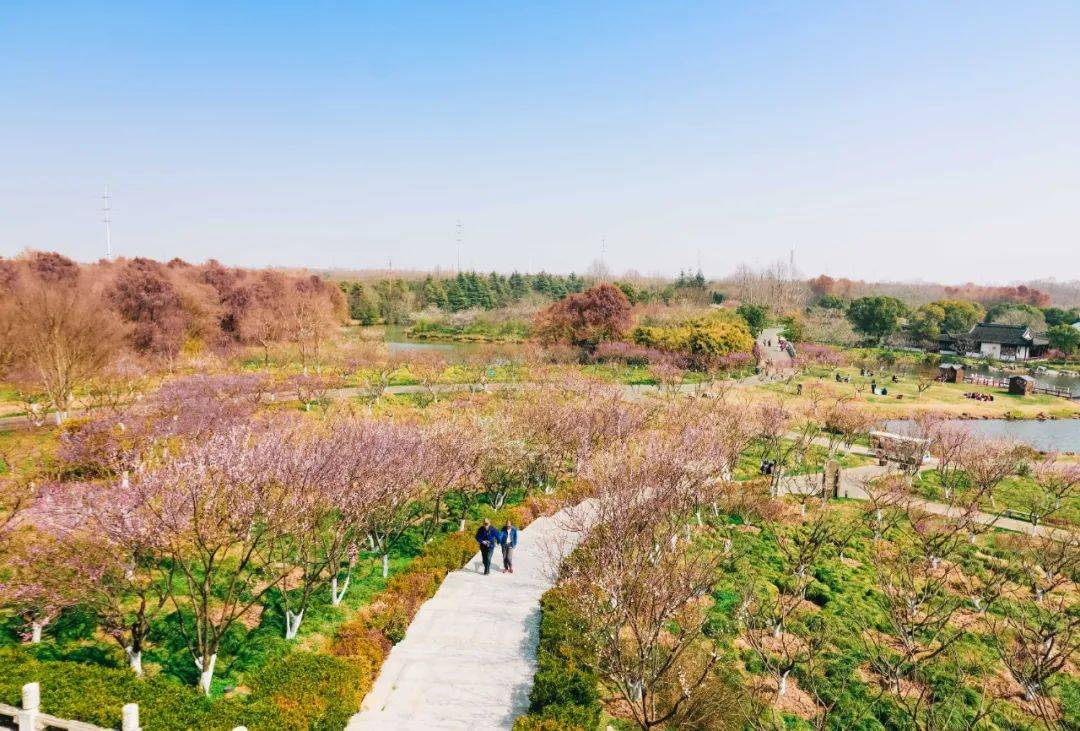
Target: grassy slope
940,397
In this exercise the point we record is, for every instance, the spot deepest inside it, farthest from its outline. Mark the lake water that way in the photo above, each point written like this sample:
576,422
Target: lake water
451,350
408,346
1062,435
1058,380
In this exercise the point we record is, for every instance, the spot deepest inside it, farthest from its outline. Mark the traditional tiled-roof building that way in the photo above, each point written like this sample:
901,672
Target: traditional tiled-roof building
1004,342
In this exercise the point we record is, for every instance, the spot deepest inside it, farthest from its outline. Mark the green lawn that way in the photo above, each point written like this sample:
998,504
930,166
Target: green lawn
1015,492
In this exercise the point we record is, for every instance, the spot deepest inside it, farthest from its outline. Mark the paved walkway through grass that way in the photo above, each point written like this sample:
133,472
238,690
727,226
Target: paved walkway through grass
853,483
469,656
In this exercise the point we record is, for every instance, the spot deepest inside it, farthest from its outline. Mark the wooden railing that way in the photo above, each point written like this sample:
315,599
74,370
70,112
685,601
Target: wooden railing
986,381
1004,383
30,717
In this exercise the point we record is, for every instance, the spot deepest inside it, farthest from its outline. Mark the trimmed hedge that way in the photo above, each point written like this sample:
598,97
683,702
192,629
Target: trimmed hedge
96,694
313,691
564,695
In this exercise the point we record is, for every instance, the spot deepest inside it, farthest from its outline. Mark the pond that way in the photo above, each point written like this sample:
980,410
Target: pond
1056,380
397,341
1062,435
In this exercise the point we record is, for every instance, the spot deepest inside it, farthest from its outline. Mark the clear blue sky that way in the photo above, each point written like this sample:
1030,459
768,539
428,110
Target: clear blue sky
935,140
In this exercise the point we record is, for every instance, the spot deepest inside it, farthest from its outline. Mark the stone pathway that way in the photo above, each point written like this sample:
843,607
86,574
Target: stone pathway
469,656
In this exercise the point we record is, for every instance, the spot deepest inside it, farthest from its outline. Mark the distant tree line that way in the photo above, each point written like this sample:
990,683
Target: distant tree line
390,301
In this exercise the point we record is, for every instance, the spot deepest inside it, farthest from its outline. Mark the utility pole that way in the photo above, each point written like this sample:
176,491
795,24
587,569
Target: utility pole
106,211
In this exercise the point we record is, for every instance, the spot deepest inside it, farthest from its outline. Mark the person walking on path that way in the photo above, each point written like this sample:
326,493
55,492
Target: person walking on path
487,536
508,540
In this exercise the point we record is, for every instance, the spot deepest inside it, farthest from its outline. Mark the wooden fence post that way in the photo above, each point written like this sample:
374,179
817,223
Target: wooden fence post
31,705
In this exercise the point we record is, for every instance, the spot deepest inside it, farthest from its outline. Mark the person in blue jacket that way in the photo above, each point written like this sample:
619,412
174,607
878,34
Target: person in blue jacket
487,536
508,539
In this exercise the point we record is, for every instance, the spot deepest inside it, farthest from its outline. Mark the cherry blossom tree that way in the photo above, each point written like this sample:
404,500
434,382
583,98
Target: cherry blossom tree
456,449
1056,483
641,596
395,487
1037,644
215,512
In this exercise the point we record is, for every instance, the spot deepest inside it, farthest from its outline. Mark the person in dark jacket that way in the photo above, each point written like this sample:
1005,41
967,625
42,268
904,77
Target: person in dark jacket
508,540
487,536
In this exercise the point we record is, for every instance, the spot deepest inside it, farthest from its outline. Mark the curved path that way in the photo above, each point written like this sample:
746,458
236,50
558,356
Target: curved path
469,656
853,483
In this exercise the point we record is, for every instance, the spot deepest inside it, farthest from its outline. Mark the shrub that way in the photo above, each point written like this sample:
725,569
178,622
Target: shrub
416,586
311,691
392,621
359,641
565,691
447,553
96,695
702,339
627,354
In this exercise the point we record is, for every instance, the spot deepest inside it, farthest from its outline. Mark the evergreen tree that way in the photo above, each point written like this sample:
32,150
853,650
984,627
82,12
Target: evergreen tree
518,286
361,308
393,301
433,293
456,295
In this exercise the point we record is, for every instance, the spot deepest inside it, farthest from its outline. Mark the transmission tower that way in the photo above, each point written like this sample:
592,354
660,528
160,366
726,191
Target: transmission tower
458,238
106,213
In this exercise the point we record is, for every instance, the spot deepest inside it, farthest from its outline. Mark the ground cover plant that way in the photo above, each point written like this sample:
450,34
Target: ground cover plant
780,610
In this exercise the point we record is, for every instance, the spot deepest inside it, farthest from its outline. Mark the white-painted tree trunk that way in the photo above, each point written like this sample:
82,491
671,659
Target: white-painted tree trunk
385,565
134,661
335,595
781,686
292,623
461,529
35,632
206,675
